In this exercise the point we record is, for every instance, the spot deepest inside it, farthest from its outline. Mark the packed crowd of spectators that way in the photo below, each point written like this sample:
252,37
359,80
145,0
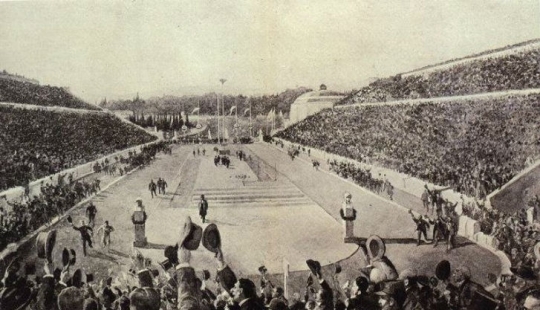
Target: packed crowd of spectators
30,93
19,218
510,72
175,284
362,177
473,146
40,143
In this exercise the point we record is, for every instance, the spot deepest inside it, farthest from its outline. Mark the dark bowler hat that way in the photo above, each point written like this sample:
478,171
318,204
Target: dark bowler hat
145,278
314,266
45,242
190,234
442,271
262,269
211,238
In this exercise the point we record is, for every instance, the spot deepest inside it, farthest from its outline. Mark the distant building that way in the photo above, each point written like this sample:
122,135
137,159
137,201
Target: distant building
313,102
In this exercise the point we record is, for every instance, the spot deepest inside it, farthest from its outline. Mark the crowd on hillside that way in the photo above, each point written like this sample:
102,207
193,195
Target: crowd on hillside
473,146
21,217
30,93
509,72
36,144
174,284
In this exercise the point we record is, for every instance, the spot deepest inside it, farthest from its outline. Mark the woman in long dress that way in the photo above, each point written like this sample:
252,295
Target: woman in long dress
348,214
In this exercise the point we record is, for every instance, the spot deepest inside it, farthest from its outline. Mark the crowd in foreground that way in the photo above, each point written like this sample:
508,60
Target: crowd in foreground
36,144
509,72
175,284
22,217
31,93
474,146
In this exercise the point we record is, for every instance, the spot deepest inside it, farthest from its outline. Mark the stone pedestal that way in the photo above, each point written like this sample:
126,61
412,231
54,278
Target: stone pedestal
140,236
349,224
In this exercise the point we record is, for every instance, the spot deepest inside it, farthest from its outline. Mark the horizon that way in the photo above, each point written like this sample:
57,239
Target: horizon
114,50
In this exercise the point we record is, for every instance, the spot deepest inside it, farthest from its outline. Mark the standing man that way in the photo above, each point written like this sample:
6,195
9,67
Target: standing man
106,238
203,208
152,187
421,227
91,214
161,185
85,234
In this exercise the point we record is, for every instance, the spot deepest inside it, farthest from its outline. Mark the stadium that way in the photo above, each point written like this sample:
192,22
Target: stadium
417,189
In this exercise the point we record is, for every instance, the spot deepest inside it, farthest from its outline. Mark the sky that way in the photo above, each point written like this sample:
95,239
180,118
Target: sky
115,49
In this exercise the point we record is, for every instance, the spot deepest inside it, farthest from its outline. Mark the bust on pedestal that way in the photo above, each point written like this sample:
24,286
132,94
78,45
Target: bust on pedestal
348,214
139,219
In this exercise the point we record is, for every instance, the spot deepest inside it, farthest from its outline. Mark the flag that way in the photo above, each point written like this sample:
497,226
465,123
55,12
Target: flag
245,111
232,108
195,110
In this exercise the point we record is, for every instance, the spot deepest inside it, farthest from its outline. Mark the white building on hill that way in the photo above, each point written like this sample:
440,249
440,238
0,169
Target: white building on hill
313,102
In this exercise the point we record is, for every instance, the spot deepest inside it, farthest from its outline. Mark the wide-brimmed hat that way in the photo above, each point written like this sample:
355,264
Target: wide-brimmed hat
442,271
314,266
190,234
45,242
138,199
211,239
262,269
375,247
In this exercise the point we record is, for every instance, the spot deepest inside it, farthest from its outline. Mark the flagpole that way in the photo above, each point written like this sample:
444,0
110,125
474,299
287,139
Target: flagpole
250,125
223,107
217,100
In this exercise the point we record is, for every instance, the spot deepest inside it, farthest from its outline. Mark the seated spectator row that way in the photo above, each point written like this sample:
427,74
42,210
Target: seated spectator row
473,146
40,143
30,93
509,72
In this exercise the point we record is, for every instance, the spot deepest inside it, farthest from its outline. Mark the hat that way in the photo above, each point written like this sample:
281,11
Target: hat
171,253
138,199
166,264
206,275
262,269
337,268
145,278
376,247
524,272
65,257
76,279
73,259
45,242
314,266
348,195
442,271
211,238
190,234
